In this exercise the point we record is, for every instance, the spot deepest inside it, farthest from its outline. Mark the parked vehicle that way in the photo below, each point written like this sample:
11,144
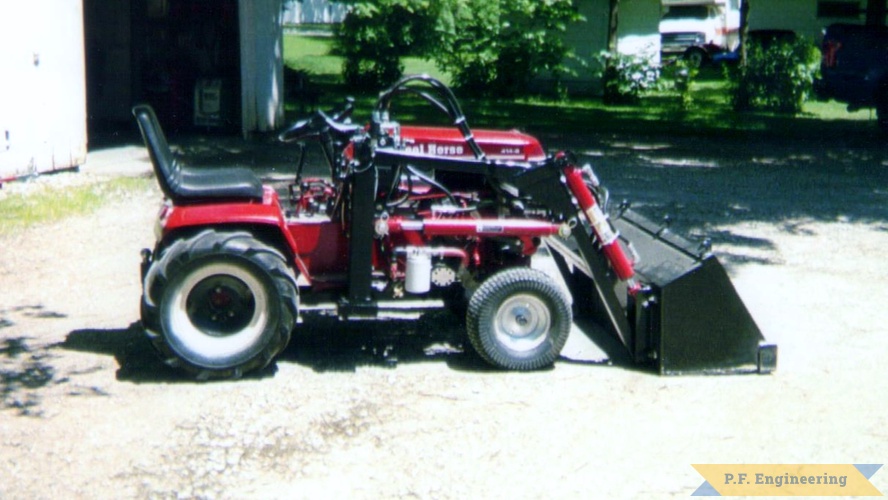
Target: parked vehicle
854,68
411,219
763,38
698,29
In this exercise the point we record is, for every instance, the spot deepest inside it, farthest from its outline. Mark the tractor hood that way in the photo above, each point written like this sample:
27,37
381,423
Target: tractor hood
510,145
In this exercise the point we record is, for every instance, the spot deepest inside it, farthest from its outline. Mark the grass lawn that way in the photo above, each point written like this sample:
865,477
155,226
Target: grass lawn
658,113
46,203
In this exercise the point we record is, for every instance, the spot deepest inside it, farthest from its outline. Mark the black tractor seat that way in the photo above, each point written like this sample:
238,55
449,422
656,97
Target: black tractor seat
184,184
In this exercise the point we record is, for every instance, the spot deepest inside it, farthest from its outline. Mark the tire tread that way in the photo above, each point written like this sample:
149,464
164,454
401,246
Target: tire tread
216,242
484,302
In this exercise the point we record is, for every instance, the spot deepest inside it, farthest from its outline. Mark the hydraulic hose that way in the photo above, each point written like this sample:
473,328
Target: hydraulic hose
607,237
449,105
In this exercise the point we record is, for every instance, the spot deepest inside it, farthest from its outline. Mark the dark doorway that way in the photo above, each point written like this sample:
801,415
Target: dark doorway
109,68
180,56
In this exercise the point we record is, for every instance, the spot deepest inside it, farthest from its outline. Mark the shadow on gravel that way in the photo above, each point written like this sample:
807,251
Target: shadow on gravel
36,311
134,355
324,345
616,354
704,184
23,371
24,368
328,345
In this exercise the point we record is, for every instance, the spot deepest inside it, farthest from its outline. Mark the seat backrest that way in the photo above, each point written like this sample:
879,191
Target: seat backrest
158,149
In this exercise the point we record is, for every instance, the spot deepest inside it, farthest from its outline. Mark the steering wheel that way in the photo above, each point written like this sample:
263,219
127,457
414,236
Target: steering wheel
301,130
320,122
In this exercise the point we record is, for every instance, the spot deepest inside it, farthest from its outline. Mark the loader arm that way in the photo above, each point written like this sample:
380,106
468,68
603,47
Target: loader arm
674,306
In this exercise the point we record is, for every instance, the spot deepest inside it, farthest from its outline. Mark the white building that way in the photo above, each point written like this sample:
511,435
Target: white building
313,12
805,17
43,90
75,66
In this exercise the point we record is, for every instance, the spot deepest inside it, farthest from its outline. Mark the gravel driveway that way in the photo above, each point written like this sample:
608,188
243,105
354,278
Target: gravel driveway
395,410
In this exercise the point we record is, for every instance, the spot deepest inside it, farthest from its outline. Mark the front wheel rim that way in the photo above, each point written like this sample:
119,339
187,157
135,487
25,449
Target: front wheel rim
218,311
522,322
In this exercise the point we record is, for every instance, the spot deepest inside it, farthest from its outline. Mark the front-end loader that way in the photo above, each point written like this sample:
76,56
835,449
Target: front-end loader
416,218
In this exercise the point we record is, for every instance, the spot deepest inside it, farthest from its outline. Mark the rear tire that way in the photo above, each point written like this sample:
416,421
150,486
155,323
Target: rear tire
519,319
219,304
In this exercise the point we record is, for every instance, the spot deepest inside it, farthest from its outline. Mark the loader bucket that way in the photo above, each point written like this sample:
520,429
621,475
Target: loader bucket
688,318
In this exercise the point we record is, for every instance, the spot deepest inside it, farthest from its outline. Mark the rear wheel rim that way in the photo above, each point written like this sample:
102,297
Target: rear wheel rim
219,310
522,322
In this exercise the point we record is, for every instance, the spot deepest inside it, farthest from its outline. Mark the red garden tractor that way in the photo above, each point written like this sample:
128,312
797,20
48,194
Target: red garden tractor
416,218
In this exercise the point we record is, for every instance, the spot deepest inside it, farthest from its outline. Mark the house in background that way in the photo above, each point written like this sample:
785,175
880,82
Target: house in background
807,18
638,28
313,12
637,34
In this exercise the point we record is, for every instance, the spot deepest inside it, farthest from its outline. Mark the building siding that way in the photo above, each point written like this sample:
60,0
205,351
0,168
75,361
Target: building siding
313,12
43,91
796,15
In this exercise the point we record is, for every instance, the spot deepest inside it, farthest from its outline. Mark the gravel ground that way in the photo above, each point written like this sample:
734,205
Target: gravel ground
394,410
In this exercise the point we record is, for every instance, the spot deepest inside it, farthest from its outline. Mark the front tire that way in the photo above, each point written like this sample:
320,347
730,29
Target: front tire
519,319
219,304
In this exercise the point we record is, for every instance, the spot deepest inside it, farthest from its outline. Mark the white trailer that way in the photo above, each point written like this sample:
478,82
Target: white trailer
43,88
698,29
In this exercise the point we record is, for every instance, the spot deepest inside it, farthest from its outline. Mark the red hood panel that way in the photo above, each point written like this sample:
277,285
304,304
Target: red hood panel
496,144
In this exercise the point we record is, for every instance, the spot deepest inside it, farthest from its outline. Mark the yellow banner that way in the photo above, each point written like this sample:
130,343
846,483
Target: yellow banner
787,480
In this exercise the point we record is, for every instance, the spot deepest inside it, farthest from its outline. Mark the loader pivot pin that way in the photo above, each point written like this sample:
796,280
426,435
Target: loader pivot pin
606,235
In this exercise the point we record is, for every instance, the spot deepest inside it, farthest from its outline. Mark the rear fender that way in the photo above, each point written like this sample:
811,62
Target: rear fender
267,215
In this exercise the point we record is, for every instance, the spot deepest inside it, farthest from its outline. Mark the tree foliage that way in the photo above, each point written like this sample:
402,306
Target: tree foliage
488,46
777,78
376,34
626,77
500,46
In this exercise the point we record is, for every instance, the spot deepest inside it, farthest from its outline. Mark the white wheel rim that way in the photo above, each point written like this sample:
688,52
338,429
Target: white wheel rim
203,341
522,322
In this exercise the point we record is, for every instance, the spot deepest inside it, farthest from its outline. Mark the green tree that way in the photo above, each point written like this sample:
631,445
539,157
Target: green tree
777,78
499,46
488,46
376,34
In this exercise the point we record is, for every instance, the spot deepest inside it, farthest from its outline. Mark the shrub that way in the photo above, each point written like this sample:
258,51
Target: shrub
779,78
626,77
493,47
497,47
683,74
375,35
